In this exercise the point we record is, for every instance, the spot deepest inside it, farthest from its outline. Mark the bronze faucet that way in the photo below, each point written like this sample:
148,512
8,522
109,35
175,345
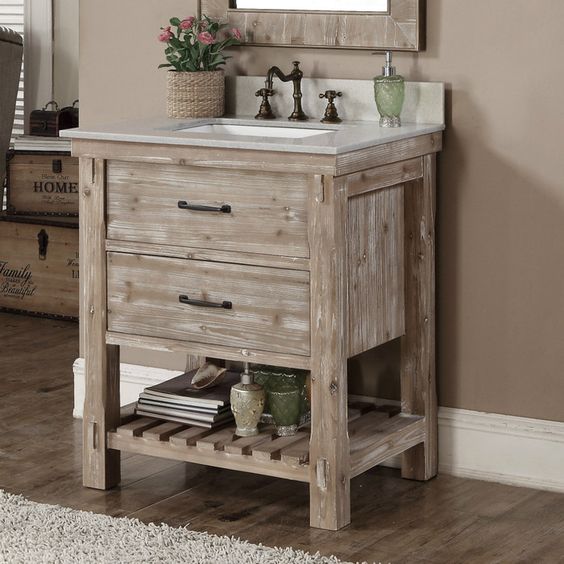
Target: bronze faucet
265,111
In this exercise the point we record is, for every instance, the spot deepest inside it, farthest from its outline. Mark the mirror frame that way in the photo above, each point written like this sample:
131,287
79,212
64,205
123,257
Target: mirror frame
401,29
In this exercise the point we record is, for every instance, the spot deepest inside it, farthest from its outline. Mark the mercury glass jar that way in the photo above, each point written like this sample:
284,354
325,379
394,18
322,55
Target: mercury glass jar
389,92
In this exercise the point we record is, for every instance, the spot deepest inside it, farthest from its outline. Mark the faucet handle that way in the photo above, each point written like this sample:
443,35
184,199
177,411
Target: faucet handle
331,114
265,110
331,95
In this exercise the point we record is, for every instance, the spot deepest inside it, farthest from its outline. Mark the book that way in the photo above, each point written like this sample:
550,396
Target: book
192,415
161,402
181,391
185,420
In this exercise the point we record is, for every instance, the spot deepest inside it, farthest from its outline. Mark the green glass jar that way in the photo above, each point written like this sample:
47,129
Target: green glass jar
389,92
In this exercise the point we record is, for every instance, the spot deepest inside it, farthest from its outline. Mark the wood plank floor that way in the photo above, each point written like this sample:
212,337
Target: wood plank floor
448,520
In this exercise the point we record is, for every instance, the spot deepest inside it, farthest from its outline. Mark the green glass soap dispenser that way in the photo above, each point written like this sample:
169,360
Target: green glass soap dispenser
389,91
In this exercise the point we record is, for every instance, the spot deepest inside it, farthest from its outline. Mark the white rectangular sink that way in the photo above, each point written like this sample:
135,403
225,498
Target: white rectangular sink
254,130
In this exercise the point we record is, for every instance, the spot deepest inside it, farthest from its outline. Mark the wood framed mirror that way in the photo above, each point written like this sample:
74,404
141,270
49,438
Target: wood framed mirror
397,25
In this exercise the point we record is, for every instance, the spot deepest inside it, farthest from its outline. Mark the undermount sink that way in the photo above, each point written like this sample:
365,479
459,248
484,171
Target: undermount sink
254,130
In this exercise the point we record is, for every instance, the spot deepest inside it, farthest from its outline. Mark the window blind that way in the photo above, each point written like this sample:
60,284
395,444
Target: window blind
12,16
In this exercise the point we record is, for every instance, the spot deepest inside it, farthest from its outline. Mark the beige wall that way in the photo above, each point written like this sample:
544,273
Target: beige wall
501,198
65,51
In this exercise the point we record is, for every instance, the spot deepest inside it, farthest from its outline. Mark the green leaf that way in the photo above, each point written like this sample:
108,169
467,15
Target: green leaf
164,65
175,21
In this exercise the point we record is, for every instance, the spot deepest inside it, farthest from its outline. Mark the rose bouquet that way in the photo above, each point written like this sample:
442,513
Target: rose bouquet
194,45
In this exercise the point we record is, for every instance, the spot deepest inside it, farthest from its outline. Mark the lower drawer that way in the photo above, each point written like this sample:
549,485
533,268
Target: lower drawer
234,305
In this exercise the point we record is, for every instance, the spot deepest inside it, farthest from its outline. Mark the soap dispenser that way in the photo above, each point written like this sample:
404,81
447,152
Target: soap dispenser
247,404
389,91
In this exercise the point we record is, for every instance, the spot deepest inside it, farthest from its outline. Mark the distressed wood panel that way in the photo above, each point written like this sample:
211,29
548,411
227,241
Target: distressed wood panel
101,466
329,445
418,387
375,268
270,305
402,29
268,210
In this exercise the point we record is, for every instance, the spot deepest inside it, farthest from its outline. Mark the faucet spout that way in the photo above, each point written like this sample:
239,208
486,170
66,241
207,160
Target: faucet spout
295,76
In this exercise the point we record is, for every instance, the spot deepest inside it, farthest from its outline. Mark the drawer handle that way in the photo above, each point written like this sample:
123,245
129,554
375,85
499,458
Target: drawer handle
183,299
225,208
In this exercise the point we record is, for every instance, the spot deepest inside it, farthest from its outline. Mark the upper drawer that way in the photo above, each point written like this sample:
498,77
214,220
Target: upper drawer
267,210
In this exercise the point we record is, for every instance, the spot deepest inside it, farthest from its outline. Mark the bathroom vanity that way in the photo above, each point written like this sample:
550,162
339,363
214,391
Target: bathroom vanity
321,238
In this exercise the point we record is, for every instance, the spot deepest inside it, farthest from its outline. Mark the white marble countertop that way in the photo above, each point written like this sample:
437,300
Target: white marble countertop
332,139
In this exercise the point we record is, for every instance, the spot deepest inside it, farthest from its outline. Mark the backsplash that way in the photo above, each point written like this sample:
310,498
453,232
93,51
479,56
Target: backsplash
424,101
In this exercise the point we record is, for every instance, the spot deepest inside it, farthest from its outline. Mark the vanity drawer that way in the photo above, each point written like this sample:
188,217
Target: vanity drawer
267,211
268,308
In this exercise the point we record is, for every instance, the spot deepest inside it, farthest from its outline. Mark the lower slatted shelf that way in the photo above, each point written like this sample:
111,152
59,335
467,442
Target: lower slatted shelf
375,435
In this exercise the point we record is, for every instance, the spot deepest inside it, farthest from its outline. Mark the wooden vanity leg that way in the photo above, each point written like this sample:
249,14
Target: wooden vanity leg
418,388
329,446
101,466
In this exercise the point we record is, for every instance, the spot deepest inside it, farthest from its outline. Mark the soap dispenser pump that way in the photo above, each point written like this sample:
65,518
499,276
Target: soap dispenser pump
389,92
247,404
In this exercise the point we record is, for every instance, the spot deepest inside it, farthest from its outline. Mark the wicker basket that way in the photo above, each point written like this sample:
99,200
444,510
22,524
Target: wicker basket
195,94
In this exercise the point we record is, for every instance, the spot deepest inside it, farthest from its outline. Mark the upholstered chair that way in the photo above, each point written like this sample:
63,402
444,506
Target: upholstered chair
11,53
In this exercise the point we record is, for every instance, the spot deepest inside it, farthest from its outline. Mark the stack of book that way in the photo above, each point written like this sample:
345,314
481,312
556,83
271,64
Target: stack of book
177,400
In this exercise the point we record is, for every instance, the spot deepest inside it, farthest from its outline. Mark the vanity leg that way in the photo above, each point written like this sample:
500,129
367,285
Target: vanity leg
418,387
101,466
329,446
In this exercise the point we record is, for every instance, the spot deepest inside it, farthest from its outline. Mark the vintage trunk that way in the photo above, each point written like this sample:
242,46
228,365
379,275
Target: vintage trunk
39,266
42,184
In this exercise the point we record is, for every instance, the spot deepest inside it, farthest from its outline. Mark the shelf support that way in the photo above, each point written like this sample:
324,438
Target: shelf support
329,445
101,466
418,388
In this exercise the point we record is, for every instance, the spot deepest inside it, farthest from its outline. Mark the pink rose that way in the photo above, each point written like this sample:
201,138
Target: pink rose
166,35
187,23
236,34
206,38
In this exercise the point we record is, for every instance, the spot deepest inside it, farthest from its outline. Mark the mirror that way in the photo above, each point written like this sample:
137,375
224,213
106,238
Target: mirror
370,6
397,25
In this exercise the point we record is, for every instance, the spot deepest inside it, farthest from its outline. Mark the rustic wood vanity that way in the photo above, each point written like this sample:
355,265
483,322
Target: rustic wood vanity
323,251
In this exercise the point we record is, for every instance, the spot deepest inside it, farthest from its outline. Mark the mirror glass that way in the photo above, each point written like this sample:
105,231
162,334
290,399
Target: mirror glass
372,6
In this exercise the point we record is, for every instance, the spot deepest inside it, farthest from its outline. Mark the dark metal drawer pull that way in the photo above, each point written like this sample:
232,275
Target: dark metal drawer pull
225,208
200,303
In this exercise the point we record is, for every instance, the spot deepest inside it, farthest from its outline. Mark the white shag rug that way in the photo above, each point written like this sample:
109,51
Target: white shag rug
37,533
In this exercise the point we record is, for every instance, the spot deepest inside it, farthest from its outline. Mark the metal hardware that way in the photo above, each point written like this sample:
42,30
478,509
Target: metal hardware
265,110
43,241
331,114
51,103
57,166
388,69
296,77
183,299
225,208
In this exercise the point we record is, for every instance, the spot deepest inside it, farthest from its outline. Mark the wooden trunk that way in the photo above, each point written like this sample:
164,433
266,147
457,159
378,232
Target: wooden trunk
42,184
39,266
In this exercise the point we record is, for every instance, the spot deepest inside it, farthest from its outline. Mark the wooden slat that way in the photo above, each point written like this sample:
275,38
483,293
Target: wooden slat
384,176
101,467
418,388
376,441
329,447
296,454
219,459
137,427
163,431
228,353
271,450
217,440
189,437
375,268
253,259
127,413
245,445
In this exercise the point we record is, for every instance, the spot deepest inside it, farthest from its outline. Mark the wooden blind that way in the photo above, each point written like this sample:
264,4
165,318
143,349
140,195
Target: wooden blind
12,16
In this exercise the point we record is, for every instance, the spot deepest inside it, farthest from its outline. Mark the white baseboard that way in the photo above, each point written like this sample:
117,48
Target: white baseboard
486,446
